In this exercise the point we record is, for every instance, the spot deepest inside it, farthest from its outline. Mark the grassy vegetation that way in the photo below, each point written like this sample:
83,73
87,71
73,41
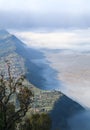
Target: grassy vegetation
43,100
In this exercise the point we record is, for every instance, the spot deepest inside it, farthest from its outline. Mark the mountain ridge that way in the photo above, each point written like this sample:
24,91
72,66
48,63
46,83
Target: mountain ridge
11,45
21,60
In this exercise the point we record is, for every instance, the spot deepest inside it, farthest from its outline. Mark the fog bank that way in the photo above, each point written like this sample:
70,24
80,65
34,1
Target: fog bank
77,39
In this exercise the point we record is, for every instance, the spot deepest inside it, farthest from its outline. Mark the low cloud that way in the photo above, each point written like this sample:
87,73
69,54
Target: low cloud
59,39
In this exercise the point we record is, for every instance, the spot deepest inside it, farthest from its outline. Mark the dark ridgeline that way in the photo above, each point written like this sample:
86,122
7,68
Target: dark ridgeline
64,108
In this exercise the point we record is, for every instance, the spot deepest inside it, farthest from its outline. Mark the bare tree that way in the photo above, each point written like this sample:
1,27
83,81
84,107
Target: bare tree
11,111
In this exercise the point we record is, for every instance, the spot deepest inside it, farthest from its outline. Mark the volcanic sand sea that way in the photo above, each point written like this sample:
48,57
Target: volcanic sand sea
73,71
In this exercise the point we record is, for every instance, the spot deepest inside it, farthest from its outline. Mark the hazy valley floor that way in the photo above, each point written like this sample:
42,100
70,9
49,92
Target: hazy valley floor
73,73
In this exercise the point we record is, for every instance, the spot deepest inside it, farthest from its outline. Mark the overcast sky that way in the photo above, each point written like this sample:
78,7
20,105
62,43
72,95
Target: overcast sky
50,14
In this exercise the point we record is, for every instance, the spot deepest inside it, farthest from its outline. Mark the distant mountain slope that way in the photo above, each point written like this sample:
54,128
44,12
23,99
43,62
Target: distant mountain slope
3,33
20,57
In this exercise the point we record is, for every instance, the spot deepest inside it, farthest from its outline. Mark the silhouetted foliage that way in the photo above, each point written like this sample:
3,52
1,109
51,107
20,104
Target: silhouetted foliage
12,91
37,122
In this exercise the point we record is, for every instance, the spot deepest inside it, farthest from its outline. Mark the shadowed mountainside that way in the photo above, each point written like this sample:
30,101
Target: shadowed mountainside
12,48
64,108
